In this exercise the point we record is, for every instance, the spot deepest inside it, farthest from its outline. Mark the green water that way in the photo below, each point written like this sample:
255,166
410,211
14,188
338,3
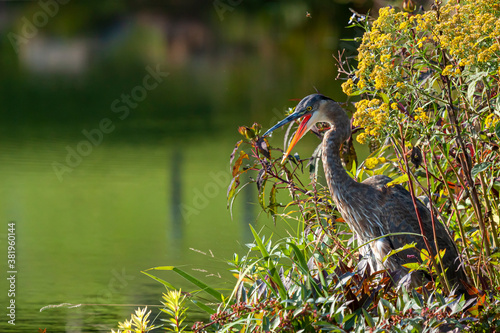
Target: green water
86,238
153,192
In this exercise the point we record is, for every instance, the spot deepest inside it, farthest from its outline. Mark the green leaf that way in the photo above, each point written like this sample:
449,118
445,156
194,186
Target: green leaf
302,262
417,298
368,318
357,92
388,305
479,168
261,187
237,164
232,189
272,201
230,202
260,245
412,266
273,272
405,247
385,98
165,283
472,85
209,290
204,307
497,130
397,181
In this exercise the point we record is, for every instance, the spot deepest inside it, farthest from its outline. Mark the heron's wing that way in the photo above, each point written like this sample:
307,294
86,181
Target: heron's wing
399,215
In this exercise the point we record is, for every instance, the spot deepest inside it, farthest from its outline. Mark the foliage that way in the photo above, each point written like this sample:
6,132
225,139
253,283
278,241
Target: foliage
426,84
138,323
428,95
174,307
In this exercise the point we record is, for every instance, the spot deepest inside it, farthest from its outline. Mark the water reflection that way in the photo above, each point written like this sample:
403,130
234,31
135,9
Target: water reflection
176,174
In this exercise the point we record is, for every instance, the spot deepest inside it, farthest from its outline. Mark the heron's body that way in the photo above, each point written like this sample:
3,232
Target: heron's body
371,208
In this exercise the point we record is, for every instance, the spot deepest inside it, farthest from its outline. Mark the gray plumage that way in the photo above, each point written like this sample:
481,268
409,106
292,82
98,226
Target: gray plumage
371,208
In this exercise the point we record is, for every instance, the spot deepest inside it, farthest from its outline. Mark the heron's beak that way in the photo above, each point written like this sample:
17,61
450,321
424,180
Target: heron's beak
303,128
285,121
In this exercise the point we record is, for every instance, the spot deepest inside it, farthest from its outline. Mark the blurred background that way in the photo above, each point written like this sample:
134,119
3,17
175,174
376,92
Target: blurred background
117,119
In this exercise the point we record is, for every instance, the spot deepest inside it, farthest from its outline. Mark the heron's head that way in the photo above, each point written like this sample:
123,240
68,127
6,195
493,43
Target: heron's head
311,110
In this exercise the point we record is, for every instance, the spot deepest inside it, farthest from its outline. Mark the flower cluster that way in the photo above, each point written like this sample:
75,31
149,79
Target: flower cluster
421,115
348,86
491,121
376,52
372,162
403,54
476,41
372,116
451,70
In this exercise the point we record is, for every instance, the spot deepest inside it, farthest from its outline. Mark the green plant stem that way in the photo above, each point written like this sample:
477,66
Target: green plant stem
334,238
489,210
465,161
414,200
433,218
459,219
488,266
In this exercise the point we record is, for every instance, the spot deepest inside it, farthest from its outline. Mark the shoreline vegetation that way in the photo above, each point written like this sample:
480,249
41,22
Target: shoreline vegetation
424,96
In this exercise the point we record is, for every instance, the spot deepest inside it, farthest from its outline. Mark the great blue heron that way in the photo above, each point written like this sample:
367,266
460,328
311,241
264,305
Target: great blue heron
371,208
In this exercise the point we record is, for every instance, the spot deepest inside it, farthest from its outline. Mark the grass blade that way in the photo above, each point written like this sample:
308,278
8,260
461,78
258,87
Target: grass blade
209,290
165,283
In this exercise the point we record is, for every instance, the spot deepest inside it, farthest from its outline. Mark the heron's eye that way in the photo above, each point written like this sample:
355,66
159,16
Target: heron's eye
309,108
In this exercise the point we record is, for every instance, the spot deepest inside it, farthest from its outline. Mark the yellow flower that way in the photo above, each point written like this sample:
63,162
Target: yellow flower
390,57
421,115
404,25
347,87
385,58
476,39
491,121
447,70
374,102
421,41
361,138
372,115
372,162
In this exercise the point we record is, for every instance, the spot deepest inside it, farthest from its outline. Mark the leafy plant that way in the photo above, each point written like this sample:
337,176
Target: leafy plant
429,86
174,307
138,323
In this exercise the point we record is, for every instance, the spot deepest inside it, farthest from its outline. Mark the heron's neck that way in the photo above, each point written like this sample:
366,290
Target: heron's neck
337,178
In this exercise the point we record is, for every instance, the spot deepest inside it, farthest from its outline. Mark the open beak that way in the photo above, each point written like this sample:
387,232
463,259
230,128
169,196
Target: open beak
303,128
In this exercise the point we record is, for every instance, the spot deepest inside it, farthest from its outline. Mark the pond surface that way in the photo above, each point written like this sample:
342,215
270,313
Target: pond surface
89,217
127,207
